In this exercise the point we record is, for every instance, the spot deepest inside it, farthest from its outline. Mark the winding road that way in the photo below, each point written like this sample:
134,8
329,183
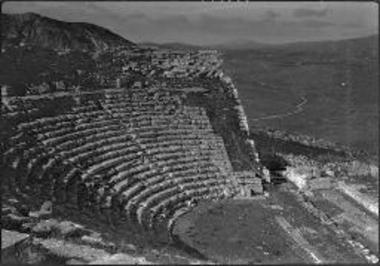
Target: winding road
298,109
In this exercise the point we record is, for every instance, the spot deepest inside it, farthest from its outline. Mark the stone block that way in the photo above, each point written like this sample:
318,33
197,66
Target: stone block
93,240
75,262
11,243
70,229
121,258
11,238
320,183
44,228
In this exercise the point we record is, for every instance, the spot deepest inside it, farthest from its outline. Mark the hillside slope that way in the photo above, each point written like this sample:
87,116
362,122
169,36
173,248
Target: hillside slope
31,28
339,80
368,43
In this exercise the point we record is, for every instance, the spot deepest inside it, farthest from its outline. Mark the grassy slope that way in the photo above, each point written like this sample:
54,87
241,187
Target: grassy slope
347,115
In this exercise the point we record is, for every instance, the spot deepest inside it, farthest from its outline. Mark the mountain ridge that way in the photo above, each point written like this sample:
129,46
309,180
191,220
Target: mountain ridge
34,29
253,45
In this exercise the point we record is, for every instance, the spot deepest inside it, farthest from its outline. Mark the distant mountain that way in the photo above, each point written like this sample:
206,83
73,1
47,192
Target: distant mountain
241,45
31,28
355,44
233,45
369,42
173,45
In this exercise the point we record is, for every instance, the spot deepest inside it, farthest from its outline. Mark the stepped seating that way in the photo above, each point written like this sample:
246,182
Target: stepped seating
172,177
72,153
78,126
175,140
105,161
244,176
90,172
194,192
146,152
172,132
93,146
131,105
178,181
92,149
109,163
85,108
127,187
15,112
184,203
181,163
79,134
71,144
52,121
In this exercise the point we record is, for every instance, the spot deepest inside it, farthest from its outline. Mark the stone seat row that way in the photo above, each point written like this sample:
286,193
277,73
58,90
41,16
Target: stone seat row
67,180
155,117
182,204
146,175
174,139
126,193
169,150
181,181
84,108
79,134
125,93
213,190
15,112
163,170
77,125
155,184
115,143
47,121
124,138
135,104
92,170
136,189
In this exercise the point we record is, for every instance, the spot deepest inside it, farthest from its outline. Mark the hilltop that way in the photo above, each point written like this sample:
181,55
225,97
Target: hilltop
31,28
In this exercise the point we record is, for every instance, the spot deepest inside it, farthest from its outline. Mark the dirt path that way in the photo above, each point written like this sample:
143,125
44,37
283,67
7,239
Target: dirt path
61,94
297,109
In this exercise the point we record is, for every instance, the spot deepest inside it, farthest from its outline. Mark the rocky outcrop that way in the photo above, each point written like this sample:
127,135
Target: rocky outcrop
11,243
120,258
243,122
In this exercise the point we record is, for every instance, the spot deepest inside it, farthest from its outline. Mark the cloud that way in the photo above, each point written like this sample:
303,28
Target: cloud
138,15
312,23
200,23
305,12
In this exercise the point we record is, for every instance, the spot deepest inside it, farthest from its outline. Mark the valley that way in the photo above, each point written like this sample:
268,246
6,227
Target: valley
340,83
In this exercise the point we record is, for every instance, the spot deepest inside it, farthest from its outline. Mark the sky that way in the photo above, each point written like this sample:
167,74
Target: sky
208,23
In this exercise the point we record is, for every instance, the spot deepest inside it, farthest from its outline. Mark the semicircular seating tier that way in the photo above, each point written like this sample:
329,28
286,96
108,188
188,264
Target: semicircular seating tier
145,156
